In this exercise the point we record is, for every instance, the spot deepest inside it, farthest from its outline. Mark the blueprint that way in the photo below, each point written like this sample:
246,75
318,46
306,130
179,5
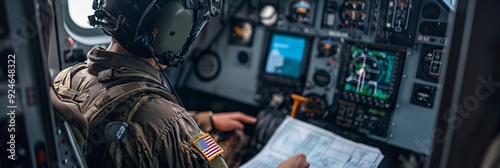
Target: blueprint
322,148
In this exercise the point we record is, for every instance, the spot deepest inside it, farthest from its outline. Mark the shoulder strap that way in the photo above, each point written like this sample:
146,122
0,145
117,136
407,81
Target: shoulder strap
62,82
115,150
117,85
103,102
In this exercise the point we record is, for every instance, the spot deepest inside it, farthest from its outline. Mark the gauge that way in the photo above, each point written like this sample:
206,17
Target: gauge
366,68
207,66
301,11
355,5
321,78
431,63
317,106
268,15
423,95
353,14
241,33
370,71
327,47
431,11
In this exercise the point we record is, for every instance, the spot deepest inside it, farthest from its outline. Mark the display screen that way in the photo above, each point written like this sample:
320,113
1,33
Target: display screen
371,72
285,55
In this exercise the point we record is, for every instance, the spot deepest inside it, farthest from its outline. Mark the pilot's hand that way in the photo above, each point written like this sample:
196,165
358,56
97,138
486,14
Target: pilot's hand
230,121
296,161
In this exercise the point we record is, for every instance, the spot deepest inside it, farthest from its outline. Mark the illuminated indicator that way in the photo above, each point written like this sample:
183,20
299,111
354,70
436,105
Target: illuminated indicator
423,95
431,63
353,14
301,12
285,55
327,47
376,112
370,72
242,33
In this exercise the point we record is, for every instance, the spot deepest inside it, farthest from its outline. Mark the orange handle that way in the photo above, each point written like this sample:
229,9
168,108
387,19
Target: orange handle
297,100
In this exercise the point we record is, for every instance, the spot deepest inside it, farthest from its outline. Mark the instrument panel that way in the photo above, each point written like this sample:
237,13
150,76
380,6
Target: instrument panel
367,87
371,67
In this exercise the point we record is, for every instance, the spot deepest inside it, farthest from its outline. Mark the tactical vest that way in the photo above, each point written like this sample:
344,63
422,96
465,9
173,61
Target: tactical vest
98,103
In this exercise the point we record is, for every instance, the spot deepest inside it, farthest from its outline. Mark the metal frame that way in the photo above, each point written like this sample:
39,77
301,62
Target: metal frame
468,116
33,85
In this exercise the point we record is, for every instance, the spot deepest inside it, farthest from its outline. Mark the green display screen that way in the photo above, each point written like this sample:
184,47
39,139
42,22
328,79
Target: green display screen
370,72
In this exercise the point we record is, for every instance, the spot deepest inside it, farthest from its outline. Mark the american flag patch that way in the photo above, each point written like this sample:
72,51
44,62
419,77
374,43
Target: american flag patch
208,147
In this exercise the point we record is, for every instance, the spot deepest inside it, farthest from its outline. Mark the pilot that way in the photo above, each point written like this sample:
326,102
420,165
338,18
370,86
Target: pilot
123,87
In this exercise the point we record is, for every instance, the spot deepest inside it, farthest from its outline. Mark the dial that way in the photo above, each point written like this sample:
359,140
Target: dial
321,78
268,15
431,64
241,33
301,11
366,73
423,95
327,47
317,107
207,66
370,74
431,11
353,14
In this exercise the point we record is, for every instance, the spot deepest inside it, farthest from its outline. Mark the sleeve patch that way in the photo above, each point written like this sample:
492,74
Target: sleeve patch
208,147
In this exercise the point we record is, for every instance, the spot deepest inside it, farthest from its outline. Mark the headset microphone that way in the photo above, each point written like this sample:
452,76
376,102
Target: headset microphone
170,87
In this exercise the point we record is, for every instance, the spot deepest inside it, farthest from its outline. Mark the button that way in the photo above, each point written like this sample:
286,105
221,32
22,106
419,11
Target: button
243,57
435,68
438,56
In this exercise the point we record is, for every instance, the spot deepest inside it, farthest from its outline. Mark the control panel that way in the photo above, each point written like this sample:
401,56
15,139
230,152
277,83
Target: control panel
370,67
283,71
368,86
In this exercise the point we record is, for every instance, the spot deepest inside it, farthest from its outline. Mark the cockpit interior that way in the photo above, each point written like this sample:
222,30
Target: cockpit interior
415,79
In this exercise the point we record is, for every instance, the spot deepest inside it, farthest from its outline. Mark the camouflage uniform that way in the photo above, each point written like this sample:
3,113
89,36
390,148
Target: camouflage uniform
234,143
160,132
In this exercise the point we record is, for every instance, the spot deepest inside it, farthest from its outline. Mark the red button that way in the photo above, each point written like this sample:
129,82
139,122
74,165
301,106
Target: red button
41,159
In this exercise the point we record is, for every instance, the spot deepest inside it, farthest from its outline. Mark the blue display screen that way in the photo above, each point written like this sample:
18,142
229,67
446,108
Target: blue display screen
285,56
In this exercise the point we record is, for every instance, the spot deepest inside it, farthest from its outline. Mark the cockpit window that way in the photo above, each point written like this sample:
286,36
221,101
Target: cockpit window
76,23
78,12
